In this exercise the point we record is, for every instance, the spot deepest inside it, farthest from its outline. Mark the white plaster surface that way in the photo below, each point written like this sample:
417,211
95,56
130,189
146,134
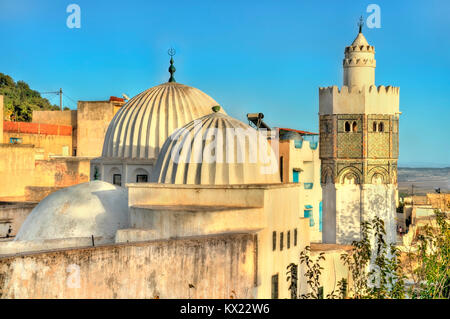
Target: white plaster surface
95,208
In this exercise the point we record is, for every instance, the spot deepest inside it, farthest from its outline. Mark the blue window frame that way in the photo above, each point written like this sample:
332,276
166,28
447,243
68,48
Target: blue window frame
308,185
295,176
307,213
320,216
298,143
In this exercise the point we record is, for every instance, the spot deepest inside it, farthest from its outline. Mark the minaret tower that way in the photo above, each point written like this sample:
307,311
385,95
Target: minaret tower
358,148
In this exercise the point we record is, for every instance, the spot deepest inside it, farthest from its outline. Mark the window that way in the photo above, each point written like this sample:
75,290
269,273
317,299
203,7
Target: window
295,176
347,126
274,240
308,214
295,237
65,150
374,128
354,127
288,239
320,217
275,286
117,179
281,241
381,127
281,168
141,178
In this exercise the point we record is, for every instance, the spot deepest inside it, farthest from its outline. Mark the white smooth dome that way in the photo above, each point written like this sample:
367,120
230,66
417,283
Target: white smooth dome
217,161
94,208
142,125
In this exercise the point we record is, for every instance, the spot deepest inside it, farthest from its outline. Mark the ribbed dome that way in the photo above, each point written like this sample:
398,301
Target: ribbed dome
143,124
206,151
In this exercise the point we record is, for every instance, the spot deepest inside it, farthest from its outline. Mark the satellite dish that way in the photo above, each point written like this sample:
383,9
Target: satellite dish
125,96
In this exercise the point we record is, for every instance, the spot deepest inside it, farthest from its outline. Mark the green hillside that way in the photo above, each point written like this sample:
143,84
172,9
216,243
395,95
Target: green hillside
20,100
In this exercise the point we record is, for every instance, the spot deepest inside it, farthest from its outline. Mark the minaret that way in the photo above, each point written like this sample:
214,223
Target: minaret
358,148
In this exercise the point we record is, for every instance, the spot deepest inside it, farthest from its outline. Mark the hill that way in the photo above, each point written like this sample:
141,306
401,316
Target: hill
425,180
20,100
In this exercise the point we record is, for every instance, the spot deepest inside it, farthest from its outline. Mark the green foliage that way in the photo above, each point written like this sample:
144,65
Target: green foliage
312,274
293,278
376,269
20,100
431,274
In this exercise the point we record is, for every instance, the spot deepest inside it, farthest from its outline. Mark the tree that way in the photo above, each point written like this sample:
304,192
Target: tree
20,100
378,271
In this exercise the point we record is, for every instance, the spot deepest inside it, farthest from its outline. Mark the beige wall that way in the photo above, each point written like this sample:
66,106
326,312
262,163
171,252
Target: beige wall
1,118
61,172
93,118
55,117
334,268
173,211
307,161
47,145
218,267
16,169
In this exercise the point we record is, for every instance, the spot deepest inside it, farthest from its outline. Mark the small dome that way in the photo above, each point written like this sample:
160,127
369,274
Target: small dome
143,124
95,208
216,150
360,40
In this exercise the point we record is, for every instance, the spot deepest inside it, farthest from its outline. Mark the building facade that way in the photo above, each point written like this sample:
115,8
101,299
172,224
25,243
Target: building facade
359,126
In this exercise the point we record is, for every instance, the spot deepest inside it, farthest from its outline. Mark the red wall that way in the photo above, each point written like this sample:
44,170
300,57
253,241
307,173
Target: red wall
37,128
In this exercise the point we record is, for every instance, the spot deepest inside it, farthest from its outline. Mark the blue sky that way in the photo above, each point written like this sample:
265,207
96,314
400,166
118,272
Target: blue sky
250,56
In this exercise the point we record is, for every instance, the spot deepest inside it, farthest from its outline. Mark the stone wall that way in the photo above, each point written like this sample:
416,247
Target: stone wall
12,215
16,169
216,267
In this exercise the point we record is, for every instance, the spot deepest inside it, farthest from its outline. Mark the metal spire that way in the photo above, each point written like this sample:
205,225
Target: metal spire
360,24
172,69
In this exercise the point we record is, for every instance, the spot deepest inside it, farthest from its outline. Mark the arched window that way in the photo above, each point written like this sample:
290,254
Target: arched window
374,126
347,126
354,127
381,127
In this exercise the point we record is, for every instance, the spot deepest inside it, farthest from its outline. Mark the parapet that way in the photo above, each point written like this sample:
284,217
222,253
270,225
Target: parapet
360,48
359,100
359,62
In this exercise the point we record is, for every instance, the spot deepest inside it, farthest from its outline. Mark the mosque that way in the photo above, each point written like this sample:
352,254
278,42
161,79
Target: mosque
186,201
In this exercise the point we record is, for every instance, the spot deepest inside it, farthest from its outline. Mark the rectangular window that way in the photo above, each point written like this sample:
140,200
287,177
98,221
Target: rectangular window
308,214
274,241
141,178
295,237
117,179
281,241
295,176
281,168
288,239
275,286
